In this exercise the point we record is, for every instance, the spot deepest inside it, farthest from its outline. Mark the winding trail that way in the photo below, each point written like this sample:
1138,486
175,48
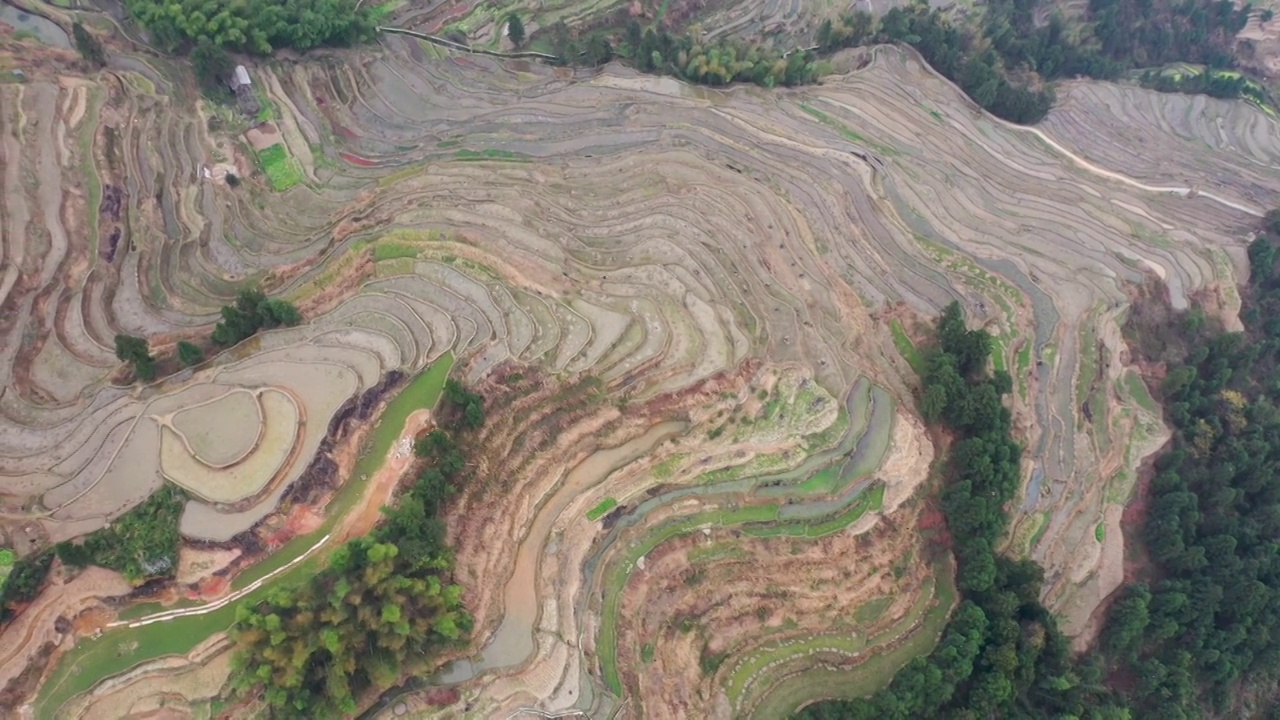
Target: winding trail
223,602
1111,175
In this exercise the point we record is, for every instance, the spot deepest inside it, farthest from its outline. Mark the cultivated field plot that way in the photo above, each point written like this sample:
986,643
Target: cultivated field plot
681,305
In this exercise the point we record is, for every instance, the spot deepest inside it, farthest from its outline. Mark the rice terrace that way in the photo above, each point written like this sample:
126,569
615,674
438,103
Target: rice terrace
681,359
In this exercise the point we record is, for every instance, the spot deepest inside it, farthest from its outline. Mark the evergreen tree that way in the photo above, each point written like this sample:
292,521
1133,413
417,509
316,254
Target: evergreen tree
90,47
134,350
515,29
189,353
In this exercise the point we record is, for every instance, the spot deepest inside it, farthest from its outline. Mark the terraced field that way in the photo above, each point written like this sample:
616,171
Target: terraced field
691,314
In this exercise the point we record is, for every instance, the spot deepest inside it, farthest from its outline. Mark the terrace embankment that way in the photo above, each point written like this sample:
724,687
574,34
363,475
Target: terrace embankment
605,254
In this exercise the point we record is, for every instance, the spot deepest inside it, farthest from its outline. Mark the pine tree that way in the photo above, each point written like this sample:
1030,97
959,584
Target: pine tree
89,45
189,353
515,29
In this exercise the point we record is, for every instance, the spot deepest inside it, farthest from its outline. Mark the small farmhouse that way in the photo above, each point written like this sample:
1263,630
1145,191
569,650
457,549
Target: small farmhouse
242,86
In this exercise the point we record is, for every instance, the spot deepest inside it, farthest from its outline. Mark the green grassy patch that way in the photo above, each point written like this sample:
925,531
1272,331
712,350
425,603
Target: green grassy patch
870,611
92,183
490,154
282,170
702,555
393,251
7,559
823,482
392,268
906,348
845,131
871,500
1024,366
1088,365
1136,389
116,651
667,468
1040,531
1100,532
602,509
999,348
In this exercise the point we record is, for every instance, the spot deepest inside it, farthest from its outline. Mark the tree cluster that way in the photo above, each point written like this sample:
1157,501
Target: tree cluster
1209,616
88,45
189,353
253,311
719,63
979,71
414,523
381,607
254,26
1142,33
24,581
1015,40
588,48
135,351
658,51
1210,82
1001,654
461,409
141,544
369,616
213,68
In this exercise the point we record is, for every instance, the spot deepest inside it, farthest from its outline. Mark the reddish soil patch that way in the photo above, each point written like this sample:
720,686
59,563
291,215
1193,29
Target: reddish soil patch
302,519
457,12
442,697
382,486
357,160
92,620
211,588
1137,563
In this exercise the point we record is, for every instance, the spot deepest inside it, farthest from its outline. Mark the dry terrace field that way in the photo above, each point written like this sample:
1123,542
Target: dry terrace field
710,453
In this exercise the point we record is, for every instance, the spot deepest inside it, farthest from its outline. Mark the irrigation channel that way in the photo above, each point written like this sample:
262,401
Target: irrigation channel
130,642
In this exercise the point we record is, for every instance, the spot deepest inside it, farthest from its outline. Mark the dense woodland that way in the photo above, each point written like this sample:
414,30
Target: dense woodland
254,26
24,581
1203,628
1004,64
658,51
382,606
1208,617
1001,654
141,544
